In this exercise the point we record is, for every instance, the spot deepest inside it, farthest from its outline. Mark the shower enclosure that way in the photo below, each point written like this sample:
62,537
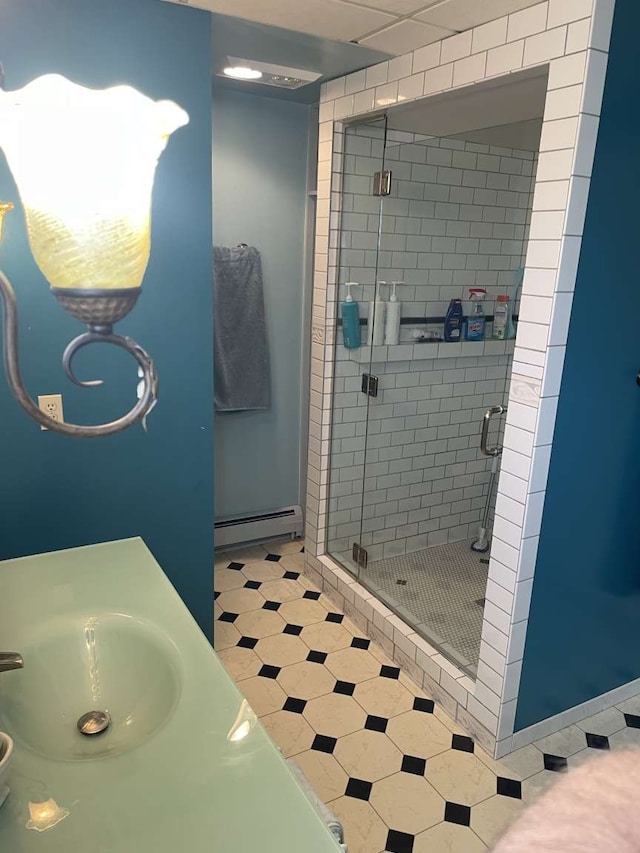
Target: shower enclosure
408,481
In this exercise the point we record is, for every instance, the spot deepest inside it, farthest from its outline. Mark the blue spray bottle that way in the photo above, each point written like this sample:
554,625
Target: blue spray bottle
350,314
453,322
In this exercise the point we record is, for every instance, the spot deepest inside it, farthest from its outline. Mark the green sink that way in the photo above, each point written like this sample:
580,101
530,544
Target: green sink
184,763
111,663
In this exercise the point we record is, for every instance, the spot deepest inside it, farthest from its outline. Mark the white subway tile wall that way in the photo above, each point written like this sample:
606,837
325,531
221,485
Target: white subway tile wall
552,35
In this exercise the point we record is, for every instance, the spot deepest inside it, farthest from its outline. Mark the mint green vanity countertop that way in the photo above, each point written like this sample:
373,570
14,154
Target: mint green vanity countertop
185,766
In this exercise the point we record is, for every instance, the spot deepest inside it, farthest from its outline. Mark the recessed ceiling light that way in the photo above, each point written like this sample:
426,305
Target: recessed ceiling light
242,72
266,73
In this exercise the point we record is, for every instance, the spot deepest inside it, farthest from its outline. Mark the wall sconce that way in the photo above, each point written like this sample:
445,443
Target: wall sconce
84,162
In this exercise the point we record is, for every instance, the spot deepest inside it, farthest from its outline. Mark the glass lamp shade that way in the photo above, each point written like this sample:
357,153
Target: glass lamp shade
84,162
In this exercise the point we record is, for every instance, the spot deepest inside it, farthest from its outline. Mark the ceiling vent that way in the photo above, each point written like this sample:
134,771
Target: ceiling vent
270,75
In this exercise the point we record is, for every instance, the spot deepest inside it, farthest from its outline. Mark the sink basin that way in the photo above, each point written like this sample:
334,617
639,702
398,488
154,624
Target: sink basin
113,663
184,763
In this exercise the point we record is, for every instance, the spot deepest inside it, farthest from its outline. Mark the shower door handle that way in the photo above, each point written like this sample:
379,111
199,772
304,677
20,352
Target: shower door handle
486,420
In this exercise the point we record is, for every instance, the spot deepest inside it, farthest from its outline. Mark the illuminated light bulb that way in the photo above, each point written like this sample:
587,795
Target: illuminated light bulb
242,72
84,161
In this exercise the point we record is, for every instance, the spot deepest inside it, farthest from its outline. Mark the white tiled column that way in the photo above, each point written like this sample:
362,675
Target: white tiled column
560,201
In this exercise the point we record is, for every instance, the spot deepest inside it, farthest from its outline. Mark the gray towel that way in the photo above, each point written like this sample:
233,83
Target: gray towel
241,367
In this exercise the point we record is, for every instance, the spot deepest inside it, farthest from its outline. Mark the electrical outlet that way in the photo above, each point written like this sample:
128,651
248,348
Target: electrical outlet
51,405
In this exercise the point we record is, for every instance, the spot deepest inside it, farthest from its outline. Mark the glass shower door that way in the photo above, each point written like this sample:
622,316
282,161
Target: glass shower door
354,379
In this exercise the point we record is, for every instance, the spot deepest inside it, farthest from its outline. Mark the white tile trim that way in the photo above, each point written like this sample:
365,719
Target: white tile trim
566,718
575,85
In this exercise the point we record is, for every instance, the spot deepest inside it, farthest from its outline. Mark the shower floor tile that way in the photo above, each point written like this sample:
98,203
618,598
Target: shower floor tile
440,591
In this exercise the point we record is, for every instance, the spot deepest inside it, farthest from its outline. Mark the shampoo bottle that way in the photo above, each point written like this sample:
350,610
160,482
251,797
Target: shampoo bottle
392,322
375,321
453,322
350,319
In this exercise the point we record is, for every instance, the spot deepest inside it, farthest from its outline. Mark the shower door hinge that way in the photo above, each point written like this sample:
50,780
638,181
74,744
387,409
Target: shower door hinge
369,385
359,555
382,183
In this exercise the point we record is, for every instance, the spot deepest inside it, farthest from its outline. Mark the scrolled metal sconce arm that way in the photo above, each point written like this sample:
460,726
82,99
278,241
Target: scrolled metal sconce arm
99,310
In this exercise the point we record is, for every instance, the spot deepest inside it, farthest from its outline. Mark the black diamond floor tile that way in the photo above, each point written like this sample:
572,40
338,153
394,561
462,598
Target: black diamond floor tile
296,706
344,687
296,630
316,657
322,743
389,672
597,741
215,595
359,789
271,605
509,788
455,813
334,617
314,596
252,585
425,705
413,764
360,643
228,617
247,642
292,576
462,743
376,724
302,550
555,763
267,671
632,720
236,566
274,558
399,842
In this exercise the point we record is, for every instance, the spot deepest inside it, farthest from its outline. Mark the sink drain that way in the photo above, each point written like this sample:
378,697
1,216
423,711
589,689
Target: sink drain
94,722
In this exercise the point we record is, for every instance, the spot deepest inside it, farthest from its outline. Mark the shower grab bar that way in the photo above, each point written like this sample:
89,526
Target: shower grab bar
486,420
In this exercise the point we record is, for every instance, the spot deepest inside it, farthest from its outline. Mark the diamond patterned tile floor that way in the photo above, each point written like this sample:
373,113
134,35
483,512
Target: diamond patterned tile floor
400,775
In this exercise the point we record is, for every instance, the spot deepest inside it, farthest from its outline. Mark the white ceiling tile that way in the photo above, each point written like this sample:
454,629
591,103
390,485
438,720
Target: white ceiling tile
327,18
463,14
405,36
395,7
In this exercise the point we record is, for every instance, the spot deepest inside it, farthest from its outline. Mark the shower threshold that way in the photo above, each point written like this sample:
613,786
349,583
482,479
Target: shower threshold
439,592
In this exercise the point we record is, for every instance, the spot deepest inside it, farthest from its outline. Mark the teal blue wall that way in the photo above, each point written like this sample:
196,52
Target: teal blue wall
259,170
583,637
58,492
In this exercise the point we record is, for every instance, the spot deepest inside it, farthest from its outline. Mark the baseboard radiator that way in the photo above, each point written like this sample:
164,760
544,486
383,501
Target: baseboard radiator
287,521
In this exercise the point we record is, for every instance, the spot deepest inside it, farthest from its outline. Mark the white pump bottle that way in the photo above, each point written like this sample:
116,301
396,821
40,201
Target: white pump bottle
375,321
392,322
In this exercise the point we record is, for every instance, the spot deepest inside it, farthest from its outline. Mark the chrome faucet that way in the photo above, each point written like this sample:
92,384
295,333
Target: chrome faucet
10,660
